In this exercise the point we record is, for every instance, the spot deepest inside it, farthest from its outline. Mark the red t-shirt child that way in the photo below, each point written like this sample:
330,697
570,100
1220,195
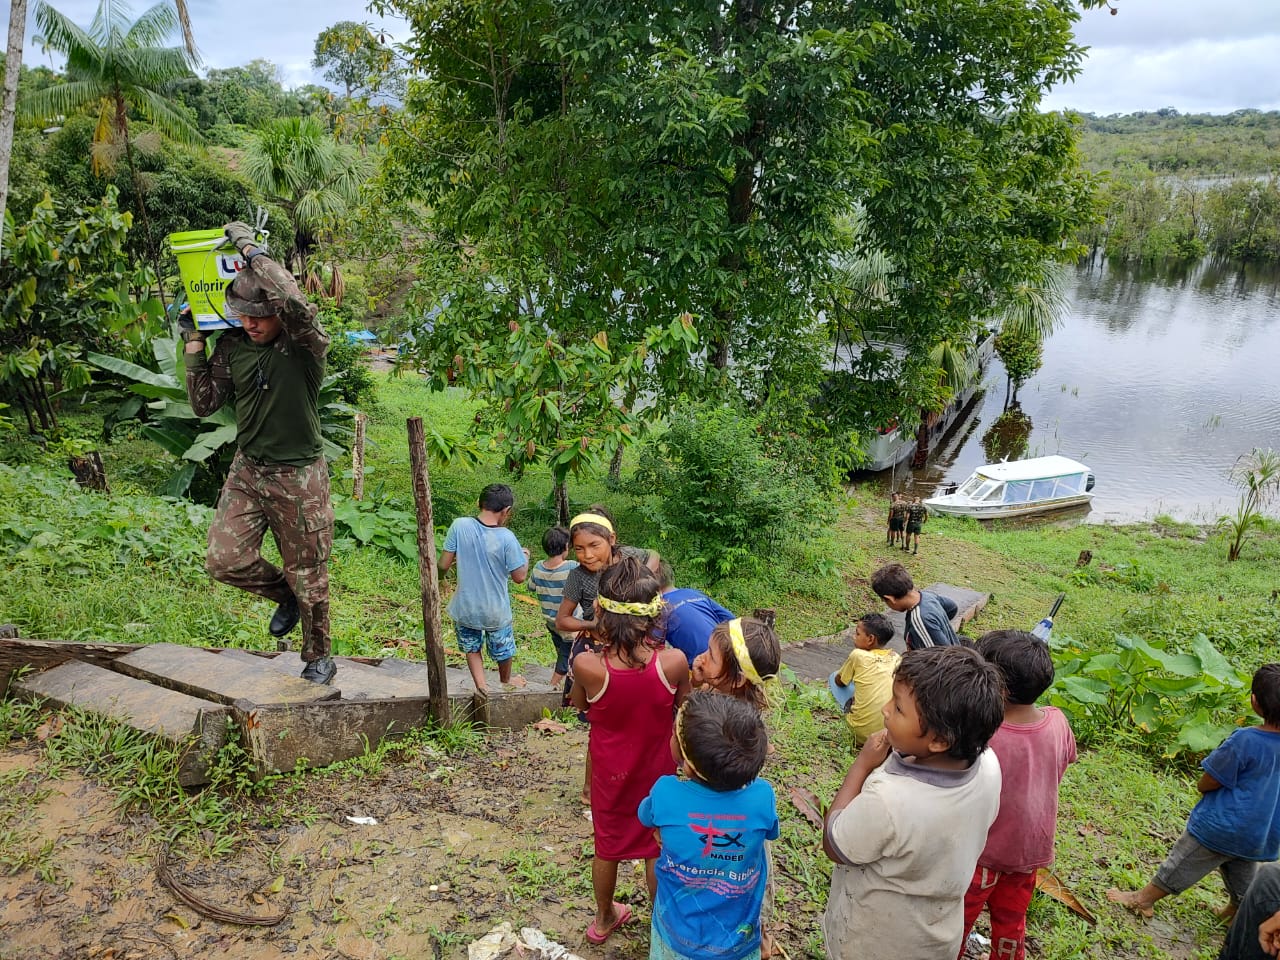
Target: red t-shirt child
1033,758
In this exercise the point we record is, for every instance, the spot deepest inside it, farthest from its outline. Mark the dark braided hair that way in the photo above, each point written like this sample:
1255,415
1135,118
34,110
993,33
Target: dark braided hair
629,581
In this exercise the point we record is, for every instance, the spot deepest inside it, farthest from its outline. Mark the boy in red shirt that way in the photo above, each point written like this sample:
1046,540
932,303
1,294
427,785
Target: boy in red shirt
1034,745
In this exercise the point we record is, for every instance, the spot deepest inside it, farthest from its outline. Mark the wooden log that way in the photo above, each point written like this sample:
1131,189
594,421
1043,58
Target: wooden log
282,736
196,727
428,573
217,678
357,459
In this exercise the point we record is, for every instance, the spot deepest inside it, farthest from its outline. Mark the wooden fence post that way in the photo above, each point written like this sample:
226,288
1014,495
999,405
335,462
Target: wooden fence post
428,573
357,460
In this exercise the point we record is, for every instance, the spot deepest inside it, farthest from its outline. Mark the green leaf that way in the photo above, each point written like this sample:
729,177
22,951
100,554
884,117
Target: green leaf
132,371
1146,711
209,442
1087,690
174,439
1212,662
179,481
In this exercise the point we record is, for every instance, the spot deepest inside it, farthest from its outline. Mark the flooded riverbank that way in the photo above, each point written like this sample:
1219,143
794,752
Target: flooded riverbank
1159,381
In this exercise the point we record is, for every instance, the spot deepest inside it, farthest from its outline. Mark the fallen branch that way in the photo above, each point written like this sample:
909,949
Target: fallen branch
203,907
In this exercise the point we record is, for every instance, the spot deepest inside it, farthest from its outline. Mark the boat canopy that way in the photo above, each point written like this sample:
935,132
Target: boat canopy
1037,468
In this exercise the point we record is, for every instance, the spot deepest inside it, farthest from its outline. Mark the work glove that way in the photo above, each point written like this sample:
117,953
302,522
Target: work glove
240,234
187,326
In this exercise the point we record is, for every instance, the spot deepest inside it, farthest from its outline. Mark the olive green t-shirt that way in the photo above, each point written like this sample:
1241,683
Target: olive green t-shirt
276,391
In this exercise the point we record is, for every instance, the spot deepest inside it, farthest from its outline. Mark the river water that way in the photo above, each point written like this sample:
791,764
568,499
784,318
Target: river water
1158,381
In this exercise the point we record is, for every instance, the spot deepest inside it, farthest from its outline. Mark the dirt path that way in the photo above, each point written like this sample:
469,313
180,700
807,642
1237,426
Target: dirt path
460,845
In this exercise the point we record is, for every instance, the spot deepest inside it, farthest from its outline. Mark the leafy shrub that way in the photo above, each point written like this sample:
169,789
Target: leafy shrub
1126,575
384,524
1169,703
716,491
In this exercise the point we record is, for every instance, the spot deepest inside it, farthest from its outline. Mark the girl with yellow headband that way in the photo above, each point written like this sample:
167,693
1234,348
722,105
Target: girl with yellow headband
595,543
742,658
629,689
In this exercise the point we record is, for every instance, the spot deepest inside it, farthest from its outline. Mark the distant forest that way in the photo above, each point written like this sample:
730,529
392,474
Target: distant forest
1243,143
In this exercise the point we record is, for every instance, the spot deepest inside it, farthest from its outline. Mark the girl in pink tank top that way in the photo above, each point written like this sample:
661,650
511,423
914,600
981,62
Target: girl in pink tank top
630,690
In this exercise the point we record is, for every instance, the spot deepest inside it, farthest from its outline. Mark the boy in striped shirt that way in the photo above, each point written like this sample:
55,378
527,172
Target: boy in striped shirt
546,580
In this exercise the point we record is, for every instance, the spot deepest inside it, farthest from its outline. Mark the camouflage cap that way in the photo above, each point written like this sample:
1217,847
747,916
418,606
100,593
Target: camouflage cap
247,296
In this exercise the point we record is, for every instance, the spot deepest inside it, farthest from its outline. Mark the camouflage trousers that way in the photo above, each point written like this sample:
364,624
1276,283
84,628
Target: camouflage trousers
293,503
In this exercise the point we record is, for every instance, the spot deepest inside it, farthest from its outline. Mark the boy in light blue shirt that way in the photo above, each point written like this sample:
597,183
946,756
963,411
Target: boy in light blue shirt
487,553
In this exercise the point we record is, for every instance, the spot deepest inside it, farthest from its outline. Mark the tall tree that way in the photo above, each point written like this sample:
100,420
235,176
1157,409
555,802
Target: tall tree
349,55
116,65
600,164
8,109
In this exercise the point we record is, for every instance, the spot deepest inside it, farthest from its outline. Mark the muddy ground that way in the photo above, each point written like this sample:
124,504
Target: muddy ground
460,845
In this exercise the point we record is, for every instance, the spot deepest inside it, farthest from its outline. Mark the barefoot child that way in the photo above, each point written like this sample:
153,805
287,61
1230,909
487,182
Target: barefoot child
907,825
864,684
1034,745
1236,823
546,580
487,553
713,827
628,690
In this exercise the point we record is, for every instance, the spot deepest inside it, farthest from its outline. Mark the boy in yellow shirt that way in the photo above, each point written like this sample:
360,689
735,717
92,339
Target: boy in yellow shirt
865,683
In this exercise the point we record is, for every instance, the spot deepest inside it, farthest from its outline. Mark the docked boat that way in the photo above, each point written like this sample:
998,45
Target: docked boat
1018,488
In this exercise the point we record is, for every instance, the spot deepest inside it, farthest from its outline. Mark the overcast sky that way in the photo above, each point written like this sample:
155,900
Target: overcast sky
1195,55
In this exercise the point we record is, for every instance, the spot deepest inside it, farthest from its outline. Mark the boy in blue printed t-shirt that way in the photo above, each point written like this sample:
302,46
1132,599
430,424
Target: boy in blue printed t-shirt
1236,823
712,827
487,553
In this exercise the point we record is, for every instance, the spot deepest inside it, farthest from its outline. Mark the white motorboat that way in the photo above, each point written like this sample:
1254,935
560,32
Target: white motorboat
1018,488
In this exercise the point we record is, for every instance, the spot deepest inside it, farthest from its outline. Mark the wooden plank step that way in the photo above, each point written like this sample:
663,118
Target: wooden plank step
198,727
212,676
354,680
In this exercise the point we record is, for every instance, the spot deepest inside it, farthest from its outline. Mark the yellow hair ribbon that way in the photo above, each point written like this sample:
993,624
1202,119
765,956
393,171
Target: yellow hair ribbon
689,765
598,519
743,655
650,609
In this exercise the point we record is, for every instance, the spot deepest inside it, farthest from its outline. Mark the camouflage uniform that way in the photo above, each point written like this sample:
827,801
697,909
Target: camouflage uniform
278,479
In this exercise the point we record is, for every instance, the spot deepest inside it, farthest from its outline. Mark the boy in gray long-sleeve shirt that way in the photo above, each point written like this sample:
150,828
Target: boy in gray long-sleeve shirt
928,615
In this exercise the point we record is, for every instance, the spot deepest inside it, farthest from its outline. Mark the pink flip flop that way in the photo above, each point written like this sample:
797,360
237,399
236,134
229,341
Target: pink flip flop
624,914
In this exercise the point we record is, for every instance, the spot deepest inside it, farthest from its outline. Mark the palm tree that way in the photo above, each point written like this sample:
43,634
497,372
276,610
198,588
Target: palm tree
115,65
17,25
1032,313
294,162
